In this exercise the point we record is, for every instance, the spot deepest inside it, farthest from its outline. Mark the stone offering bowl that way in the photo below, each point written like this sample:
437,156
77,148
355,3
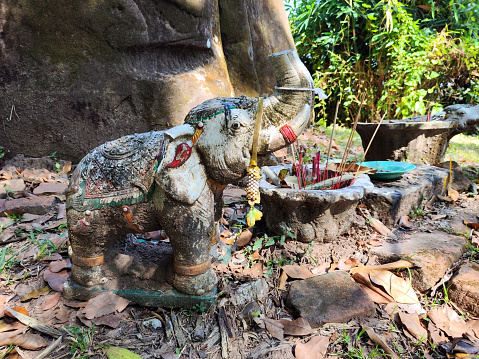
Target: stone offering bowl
311,215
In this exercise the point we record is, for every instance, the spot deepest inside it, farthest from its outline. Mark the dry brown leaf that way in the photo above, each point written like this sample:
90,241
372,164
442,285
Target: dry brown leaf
17,309
111,320
453,194
67,168
334,265
314,349
382,343
379,227
282,280
412,325
388,266
399,288
36,293
404,222
244,238
62,315
321,269
472,225
437,336
51,300
7,335
297,272
435,217
297,327
103,304
256,271
26,341
274,328
377,294
57,266
4,327
441,316
56,280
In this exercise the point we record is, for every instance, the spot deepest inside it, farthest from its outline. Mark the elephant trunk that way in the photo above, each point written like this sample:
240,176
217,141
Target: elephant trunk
287,111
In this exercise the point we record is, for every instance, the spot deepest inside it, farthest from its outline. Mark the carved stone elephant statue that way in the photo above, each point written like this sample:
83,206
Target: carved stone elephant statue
174,179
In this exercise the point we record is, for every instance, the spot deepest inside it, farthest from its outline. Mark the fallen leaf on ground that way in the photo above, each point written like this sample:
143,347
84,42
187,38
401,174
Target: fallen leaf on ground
399,288
56,280
314,349
244,238
412,325
321,269
435,217
26,341
104,303
51,300
67,168
36,293
17,309
111,320
376,294
4,327
274,327
379,227
404,222
282,280
53,257
379,341
120,353
437,336
7,335
453,194
57,266
453,326
348,263
62,315
256,271
388,266
297,272
299,326
472,225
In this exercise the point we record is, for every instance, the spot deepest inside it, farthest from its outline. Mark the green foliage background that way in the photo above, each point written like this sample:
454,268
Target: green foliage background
406,58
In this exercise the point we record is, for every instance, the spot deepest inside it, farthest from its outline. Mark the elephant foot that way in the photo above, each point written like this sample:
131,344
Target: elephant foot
88,276
196,284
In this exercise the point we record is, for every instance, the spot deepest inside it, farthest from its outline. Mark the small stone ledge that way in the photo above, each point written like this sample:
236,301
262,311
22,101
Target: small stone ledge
389,201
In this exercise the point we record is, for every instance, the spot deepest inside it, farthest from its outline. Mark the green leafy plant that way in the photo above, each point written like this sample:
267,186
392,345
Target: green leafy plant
356,351
80,340
407,59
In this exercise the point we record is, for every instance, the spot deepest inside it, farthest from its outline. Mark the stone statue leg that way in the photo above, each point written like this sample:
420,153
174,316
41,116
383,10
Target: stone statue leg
93,232
191,229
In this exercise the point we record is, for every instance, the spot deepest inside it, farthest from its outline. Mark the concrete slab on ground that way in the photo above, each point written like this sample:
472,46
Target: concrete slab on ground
433,254
388,201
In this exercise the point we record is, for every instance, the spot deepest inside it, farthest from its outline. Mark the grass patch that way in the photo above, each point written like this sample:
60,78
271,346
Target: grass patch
463,149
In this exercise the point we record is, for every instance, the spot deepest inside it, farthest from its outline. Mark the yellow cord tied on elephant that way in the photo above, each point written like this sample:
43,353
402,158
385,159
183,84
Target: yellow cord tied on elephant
254,173
253,195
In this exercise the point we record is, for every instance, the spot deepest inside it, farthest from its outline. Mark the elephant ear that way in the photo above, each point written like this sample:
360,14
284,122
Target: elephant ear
183,179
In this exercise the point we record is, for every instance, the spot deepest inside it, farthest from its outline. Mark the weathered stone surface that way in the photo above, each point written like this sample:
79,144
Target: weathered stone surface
34,205
311,215
14,185
76,75
432,252
415,139
389,201
330,298
464,288
50,188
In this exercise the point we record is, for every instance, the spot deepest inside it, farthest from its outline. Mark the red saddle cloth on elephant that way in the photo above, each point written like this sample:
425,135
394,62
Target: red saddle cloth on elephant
117,173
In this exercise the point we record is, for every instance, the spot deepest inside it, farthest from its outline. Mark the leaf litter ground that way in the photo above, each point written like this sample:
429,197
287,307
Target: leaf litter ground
407,324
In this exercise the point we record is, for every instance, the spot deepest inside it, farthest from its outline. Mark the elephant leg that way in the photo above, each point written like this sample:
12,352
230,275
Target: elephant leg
93,232
190,229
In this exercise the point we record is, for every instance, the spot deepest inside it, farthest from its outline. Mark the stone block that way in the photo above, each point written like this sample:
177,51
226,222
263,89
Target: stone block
330,298
433,253
50,188
14,185
389,201
464,288
34,205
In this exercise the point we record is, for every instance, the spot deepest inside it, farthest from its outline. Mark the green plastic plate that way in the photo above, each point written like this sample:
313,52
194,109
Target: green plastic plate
388,169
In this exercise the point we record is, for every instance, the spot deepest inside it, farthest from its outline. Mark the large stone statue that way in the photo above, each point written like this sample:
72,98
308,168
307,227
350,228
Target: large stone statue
174,179
78,73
